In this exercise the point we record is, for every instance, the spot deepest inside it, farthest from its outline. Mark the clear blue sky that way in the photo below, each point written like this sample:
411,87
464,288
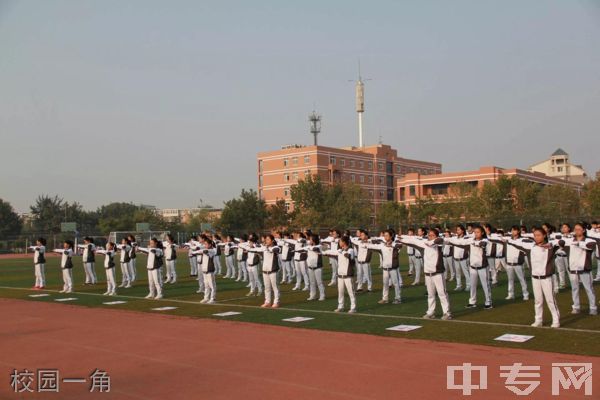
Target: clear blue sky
167,102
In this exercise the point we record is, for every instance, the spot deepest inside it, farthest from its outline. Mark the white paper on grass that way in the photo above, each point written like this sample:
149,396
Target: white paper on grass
164,308
111,303
297,319
39,295
403,328
511,337
66,299
227,314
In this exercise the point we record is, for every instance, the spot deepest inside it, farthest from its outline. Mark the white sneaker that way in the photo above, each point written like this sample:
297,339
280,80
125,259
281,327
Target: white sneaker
525,298
311,298
428,316
458,289
128,286
509,297
250,293
150,296
106,293
352,311
537,324
446,317
158,297
339,309
62,291
69,291
259,293
321,298
199,291
305,289
203,301
295,288
331,283
556,325
210,302
575,311
112,294
593,312
122,285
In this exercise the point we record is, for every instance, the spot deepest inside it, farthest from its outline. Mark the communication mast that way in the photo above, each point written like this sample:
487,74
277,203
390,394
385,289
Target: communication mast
315,124
360,104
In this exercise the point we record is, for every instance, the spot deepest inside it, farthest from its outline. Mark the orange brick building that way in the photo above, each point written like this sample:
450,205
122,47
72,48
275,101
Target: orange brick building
375,168
414,185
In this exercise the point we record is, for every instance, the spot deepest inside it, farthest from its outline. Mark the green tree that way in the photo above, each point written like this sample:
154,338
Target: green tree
277,215
556,204
243,214
10,223
591,198
48,212
391,214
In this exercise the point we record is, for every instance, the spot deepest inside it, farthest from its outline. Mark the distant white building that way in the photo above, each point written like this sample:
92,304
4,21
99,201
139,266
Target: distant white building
183,215
559,166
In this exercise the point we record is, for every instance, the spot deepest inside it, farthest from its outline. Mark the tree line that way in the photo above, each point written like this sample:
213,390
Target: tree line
504,202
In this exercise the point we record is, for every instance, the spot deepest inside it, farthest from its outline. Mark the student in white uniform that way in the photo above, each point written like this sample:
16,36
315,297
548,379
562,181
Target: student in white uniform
346,263
66,265
287,258
299,261
478,265
580,249
89,260
460,255
270,252
515,259
208,270
333,242
194,246
490,252
447,252
132,258
390,265
421,233
39,263
314,262
433,268
541,256
125,249
109,268
410,252
217,241
363,260
153,265
252,265
241,257
192,260
170,259
229,250
593,232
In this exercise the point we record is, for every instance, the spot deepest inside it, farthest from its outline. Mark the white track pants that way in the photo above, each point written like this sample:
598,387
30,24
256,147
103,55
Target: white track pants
271,288
40,275
210,286
511,271
482,275
132,269
301,274
345,284
111,281
411,264
230,264
588,285
543,290
126,280
170,270
334,267
90,272
418,269
462,266
449,268
436,284
193,266
242,271
562,268
492,269
365,269
391,275
155,282
316,280
67,275
255,284
218,269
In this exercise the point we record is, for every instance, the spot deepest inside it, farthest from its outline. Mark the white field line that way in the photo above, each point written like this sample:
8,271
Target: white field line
303,310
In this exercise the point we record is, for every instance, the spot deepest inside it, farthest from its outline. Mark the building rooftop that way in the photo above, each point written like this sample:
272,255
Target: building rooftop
560,152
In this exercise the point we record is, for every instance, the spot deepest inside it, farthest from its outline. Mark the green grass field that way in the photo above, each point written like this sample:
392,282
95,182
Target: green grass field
580,334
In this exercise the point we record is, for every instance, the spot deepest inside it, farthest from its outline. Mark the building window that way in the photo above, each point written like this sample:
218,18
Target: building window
362,179
371,193
380,166
306,159
295,176
294,160
381,180
370,165
361,164
260,180
370,178
286,177
398,169
332,160
306,173
285,162
352,178
343,162
286,192
287,207
352,163
440,189
412,191
381,194
260,165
